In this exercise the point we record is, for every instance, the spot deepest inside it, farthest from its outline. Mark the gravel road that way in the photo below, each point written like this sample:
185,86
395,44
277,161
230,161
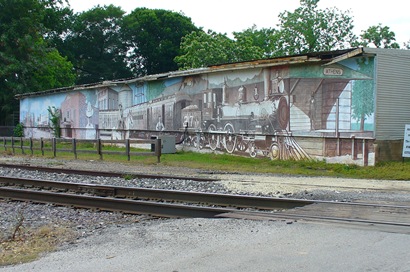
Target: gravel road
115,242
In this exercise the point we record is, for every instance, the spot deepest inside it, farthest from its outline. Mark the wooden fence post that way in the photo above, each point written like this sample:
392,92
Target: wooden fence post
42,146
127,148
54,146
31,146
12,144
158,149
99,148
74,144
21,146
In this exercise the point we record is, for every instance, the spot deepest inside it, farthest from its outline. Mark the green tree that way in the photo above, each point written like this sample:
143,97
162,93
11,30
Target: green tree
309,29
200,49
54,72
379,36
55,116
154,38
25,54
363,93
257,43
93,43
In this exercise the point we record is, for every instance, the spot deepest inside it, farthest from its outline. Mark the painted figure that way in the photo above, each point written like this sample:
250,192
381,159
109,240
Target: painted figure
160,126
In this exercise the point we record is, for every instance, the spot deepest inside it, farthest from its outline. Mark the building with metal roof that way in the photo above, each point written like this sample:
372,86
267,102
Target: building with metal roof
346,106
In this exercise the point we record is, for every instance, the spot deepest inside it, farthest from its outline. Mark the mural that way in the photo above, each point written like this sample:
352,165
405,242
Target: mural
259,112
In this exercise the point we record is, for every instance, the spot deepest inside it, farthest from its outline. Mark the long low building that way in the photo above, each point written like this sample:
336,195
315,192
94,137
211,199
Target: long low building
347,106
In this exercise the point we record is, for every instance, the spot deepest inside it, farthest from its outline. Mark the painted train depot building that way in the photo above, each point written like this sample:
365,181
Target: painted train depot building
346,106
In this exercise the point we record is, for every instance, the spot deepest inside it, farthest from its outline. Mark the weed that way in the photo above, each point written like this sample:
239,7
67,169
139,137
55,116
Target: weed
32,244
128,177
26,244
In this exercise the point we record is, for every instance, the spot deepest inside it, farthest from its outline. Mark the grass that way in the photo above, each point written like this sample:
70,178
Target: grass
229,163
30,244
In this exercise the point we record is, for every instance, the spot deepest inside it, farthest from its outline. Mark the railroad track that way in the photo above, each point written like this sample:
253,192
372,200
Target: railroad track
138,194
101,173
166,203
304,186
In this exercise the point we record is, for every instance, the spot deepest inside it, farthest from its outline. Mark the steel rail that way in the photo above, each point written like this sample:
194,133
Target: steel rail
103,173
171,209
264,215
113,204
242,201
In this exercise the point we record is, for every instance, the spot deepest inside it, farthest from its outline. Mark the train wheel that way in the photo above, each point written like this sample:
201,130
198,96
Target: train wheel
241,145
252,149
187,141
274,151
283,113
213,139
230,138
198,142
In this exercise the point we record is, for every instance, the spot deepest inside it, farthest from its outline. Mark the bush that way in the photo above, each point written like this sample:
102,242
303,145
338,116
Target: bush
19,130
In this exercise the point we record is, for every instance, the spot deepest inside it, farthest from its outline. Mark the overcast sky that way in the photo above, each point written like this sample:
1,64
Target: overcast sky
227,16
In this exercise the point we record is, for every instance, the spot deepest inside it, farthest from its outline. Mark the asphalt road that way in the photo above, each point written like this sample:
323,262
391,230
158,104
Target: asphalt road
229,245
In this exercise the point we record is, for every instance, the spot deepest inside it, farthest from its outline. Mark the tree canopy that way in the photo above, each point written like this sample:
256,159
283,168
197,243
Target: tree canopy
94,44
309,29
379,36
263,41
200,49
154,38
306,29
27,61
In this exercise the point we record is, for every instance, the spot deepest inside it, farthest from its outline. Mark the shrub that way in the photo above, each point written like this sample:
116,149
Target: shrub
19,130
